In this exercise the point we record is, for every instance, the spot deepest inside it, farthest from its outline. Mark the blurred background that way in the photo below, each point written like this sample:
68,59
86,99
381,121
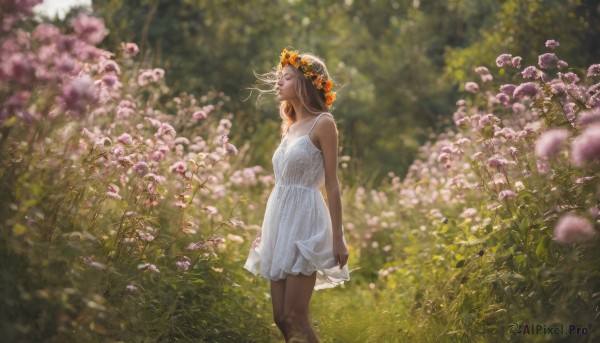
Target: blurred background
399,65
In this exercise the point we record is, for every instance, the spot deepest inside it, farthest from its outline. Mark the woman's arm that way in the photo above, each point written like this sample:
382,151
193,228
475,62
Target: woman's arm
327,136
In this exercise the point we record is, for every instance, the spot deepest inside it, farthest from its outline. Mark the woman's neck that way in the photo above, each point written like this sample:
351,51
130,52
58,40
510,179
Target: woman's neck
302,112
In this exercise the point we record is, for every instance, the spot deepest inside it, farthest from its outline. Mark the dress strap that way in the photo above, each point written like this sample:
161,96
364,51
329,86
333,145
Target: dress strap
315,123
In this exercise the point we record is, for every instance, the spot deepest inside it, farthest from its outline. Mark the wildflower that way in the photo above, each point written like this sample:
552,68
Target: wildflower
507,193
527,89
589,117
158,73
487,78
149,266
183,264
131,288
519,186
178,167
482,70
508,89
235,238
469,212
109,80
230,150
224,139
593,70
552,44
471,87
569,77
548,60
513,151
79,92
586,146
497,162
89,29
130,49
45,32
504,60
516,62
572,228
557,88
181,204
562,64
113,191
518,107
199,115
125,139
165,129
584,179
477,155
146,77
531,72
550,142
502,98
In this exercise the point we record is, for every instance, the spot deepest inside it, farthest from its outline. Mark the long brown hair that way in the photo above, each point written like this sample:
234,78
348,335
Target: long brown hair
311,97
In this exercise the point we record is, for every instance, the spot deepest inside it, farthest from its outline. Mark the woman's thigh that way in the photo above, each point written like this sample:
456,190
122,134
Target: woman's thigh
298,291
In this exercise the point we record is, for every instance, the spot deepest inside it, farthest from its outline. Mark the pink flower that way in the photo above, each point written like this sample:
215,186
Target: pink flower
531,72
146,77
486,78
471,87
550,142
497,162
571,229
230,150
183,264
482,70
584,179
89,29
113,191
507,193
79,93
109,80
140,167
552,44
508,89
527,89
593,70
125,139
569,77
199,115
516,62
130,49
165,129
109,66
504,60
586,146
589,117
502,98
179,167
548,60
45,32
562,64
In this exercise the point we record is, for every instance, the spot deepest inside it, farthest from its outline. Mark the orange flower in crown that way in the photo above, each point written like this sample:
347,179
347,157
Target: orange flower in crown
308,70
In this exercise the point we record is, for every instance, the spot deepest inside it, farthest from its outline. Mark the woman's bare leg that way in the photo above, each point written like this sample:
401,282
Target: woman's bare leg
277,297
298,290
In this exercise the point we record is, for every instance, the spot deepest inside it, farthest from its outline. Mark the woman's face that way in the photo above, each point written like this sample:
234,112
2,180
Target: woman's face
287,84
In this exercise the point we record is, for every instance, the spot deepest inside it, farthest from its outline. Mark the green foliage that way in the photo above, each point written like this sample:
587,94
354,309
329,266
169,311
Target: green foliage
398,62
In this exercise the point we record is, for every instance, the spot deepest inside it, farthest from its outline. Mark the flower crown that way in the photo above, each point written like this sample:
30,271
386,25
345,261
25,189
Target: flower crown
310,71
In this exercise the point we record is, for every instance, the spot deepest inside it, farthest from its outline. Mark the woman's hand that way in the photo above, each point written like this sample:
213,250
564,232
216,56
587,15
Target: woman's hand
340,252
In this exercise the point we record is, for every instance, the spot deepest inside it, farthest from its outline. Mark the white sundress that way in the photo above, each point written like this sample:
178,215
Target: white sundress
296,234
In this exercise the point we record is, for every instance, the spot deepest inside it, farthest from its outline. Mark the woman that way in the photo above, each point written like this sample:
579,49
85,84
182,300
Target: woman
301,246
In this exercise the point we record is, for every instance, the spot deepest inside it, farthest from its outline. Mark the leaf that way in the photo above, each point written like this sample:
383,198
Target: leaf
541,251
460,264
